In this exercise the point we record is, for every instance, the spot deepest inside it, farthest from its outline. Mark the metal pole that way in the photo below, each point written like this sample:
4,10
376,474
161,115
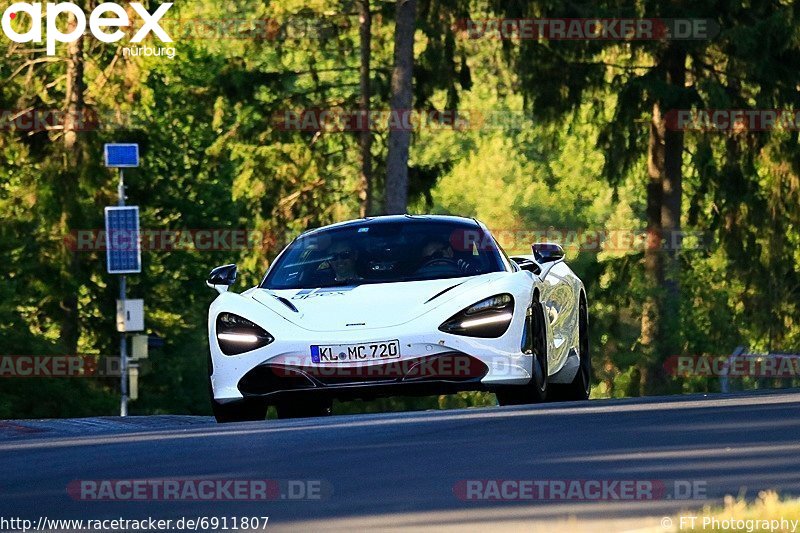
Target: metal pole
123,345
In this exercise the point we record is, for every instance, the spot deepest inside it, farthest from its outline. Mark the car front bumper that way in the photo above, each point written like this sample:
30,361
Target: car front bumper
433,363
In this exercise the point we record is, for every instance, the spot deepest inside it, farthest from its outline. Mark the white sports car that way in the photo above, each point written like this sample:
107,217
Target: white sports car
397,305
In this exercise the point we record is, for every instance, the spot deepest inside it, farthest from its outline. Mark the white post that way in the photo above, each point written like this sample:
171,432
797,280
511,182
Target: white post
123,345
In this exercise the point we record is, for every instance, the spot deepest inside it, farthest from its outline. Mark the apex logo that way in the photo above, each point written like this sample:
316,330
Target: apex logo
99,22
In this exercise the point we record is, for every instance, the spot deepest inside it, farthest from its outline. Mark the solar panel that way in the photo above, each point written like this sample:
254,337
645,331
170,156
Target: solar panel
123,246
122,155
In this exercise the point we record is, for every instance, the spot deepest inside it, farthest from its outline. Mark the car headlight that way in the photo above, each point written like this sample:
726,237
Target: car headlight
487,319
237,335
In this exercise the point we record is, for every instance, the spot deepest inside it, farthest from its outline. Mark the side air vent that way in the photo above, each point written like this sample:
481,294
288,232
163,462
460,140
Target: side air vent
287,303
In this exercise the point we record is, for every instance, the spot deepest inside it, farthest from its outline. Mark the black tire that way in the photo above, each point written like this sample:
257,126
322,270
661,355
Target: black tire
303,407
250,409
580,387
243,411
535,391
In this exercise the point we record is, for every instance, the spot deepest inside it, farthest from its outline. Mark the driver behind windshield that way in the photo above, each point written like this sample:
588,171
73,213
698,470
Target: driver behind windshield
343,261
441,251
436,250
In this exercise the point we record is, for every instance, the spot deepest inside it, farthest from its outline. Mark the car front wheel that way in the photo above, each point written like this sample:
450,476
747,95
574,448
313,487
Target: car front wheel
241,411
579,389
535,391
249,409
298,407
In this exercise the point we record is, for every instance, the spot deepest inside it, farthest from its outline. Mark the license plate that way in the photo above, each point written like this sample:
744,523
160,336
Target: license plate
349,353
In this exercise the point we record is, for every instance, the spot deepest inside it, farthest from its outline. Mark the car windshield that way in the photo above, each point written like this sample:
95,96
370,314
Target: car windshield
385,252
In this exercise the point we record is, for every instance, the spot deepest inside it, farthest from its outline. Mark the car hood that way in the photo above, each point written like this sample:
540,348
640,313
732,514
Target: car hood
366,306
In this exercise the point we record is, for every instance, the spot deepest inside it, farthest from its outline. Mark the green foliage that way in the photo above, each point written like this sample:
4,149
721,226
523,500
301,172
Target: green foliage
570,156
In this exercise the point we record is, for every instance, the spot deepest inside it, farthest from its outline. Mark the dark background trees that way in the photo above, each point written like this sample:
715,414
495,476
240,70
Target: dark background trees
585,144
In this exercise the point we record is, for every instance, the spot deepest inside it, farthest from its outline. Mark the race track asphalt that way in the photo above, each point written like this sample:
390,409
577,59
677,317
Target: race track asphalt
410,470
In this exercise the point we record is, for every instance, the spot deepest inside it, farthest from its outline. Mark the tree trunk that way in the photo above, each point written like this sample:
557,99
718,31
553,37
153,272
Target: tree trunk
661,309
401,101
365,135
69,190
653,259
671,209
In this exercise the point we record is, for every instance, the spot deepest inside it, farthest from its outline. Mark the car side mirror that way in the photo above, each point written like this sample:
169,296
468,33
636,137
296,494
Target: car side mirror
221,278
526,264
547,252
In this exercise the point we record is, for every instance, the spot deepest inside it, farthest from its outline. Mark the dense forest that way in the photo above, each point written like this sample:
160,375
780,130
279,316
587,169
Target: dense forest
274,117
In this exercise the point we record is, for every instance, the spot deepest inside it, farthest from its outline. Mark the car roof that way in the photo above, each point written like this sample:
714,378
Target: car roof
389,219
